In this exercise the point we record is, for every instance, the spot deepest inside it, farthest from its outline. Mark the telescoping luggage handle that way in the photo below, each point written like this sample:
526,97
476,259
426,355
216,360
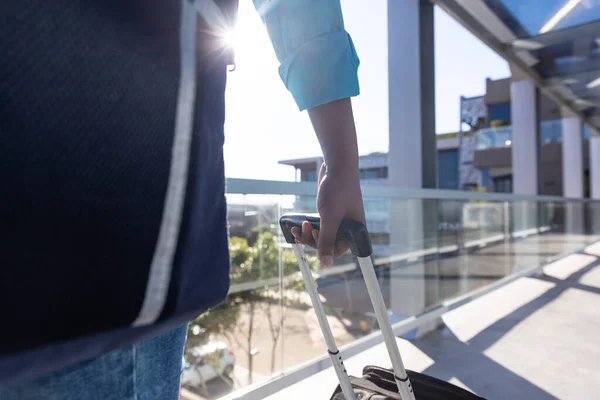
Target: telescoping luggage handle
357,236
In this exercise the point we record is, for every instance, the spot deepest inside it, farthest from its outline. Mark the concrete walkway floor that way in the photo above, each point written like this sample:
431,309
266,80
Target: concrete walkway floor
535,338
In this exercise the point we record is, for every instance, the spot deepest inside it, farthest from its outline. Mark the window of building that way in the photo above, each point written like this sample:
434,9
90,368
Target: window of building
377,226
379,238
311,176
551,131
503,184
448,169
374,173
500,112
376,204
485,177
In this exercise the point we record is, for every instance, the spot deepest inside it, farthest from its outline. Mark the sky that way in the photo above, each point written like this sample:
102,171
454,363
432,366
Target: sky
263,124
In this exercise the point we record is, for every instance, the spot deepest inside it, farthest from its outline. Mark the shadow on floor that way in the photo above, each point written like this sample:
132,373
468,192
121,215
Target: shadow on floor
467,361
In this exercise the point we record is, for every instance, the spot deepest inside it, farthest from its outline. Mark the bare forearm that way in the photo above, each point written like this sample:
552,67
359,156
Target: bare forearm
334,125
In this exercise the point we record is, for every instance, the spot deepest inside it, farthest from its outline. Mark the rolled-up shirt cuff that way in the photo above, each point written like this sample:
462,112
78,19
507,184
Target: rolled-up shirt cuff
322,70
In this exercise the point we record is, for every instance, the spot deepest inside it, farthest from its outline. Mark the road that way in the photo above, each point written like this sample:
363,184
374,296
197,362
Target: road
219,387
301,341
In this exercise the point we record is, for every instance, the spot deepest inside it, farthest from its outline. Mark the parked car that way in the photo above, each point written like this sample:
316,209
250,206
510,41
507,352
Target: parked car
208,361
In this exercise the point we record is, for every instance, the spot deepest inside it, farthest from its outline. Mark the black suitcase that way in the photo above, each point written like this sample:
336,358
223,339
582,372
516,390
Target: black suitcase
376,383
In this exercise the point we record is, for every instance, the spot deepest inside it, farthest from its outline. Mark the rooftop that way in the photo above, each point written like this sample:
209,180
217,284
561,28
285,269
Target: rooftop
445,141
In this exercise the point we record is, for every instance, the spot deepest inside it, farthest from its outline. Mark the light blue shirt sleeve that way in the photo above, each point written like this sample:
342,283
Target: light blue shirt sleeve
318,61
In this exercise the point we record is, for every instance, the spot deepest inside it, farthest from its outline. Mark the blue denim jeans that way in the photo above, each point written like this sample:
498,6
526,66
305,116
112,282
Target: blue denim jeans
149,370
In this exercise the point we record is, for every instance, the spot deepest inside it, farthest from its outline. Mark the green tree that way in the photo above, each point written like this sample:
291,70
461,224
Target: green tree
224,317
261,263
255,232
214,321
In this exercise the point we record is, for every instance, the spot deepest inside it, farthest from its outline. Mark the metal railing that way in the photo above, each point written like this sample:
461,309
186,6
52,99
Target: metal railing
446,248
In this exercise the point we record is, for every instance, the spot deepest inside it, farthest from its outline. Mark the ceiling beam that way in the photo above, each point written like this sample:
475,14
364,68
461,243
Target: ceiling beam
579,48
552,38
574,71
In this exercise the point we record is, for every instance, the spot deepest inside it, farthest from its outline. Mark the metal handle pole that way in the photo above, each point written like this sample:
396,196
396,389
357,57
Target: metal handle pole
400,375
334,353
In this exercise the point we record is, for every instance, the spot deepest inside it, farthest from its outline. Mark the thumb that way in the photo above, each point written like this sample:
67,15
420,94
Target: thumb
327,236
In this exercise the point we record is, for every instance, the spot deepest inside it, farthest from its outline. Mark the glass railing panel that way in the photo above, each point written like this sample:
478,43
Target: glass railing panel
525,228
452,271
488,138
593,219
341,288
550,238
426,252
240,342
413,262
235,344
480,256
573,226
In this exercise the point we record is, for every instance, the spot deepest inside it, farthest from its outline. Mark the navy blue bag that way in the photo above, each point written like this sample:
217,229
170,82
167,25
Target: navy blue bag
113,209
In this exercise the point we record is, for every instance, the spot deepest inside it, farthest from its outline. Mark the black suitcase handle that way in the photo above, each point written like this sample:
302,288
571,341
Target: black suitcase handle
352,231
356,234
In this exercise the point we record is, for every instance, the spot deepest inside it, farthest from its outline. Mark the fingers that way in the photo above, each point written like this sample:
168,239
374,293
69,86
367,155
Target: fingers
296,233
341,248
327,235
315,235
328,247
307,235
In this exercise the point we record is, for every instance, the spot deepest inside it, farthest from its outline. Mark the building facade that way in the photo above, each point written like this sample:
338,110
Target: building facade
493,153
479,158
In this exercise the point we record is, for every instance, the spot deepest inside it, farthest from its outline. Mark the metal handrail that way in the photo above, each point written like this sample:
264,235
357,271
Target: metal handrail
268,187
